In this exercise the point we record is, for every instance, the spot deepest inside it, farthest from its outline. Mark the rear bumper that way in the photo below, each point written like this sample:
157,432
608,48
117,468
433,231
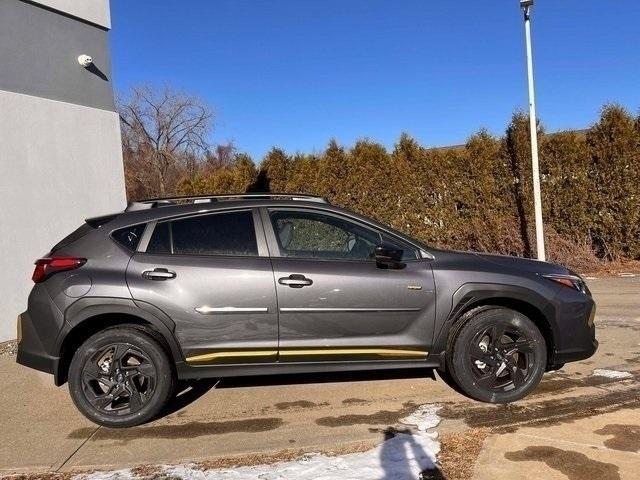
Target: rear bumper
31,352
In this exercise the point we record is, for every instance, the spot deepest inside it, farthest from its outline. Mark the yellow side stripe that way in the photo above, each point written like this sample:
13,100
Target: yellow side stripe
219,355
382,352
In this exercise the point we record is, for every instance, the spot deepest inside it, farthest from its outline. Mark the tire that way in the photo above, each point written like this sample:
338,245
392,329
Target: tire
121,377
497,356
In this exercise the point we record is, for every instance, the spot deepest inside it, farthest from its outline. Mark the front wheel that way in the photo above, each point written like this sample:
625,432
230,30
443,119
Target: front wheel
120,377
498,356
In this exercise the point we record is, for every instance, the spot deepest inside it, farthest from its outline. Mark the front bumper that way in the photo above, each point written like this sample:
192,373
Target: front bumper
575,330
31,352
574,355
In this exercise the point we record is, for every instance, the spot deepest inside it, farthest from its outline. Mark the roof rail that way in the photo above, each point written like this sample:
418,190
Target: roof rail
160,202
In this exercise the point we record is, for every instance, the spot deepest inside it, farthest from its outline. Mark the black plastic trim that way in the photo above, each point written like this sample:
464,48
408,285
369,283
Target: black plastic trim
186,371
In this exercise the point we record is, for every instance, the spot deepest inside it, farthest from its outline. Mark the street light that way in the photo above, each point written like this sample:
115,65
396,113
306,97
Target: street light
526,6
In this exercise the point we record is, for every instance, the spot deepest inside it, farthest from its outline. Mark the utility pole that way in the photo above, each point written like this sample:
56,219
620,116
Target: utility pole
526,6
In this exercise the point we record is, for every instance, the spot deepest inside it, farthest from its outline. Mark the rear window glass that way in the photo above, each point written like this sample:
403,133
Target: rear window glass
129,237
218,234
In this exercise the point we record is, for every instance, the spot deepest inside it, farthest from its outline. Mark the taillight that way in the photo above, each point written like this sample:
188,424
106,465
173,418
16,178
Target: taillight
45,267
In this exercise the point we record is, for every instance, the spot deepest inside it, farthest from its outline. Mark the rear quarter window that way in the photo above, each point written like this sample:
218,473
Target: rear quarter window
129,237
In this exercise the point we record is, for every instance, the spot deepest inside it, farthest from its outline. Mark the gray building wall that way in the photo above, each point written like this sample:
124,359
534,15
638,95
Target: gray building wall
39,52
60,151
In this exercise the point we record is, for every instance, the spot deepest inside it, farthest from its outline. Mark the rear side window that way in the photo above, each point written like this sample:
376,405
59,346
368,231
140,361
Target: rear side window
160,241
129,237
217,234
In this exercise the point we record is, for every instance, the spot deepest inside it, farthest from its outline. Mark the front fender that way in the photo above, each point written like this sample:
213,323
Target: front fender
475,293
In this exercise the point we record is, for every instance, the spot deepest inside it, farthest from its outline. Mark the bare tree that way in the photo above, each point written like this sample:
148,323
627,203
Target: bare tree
222,156
164,134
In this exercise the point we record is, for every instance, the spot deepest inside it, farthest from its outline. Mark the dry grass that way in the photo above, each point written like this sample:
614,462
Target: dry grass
615,268
286,455
459,453
39,476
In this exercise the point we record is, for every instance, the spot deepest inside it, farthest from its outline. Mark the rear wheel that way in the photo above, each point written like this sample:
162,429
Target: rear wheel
498,356
120,377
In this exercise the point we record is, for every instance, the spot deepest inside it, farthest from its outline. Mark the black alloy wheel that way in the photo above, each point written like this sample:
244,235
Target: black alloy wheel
121,377
498,355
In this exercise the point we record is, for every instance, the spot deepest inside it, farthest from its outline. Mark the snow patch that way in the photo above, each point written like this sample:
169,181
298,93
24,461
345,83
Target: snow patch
124,474
603,372
403,455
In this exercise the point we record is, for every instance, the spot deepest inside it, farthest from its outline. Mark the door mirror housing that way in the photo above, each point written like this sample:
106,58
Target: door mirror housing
389,257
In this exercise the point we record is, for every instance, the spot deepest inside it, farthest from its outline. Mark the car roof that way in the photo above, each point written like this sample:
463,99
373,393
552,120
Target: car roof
159,209
198,199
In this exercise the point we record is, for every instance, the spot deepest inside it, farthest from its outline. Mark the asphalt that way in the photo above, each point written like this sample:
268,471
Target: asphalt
575,425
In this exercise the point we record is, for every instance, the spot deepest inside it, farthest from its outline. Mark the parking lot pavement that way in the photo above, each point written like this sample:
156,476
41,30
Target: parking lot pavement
577,424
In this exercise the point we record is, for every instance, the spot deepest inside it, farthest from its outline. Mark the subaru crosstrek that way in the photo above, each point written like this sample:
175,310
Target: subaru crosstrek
230,285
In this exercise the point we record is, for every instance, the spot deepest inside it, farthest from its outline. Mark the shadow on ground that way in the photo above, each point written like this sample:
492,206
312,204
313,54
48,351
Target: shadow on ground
188,392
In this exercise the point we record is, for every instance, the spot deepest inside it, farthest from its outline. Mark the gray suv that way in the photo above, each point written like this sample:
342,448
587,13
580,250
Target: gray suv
230,285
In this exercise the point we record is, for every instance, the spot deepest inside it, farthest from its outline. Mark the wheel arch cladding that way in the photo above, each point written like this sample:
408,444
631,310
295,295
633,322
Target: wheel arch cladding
95,318
527,302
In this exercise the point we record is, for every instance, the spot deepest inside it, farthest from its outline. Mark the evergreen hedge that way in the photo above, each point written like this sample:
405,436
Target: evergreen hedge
477,196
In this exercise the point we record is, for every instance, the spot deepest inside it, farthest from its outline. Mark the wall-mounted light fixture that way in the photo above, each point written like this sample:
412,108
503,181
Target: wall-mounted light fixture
85,60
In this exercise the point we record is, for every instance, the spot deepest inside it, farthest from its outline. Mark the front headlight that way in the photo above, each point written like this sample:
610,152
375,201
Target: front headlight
571,281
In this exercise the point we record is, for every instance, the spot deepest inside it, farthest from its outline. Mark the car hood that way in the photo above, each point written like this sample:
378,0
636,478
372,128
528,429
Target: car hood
503,262
523,264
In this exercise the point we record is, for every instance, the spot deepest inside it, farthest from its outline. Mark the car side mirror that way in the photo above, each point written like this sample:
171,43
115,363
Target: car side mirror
389,257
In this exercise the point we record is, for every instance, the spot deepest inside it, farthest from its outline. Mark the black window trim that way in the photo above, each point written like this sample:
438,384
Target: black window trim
274,245
257,227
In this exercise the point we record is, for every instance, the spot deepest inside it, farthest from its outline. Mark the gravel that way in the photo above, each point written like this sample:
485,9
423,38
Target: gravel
8,348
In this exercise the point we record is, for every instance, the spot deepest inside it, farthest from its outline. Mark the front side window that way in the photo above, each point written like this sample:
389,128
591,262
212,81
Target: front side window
315,235
230,233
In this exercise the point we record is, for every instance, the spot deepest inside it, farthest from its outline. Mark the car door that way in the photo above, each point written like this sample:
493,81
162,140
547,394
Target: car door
212,275
334,302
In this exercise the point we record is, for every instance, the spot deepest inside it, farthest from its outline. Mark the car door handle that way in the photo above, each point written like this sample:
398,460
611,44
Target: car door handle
295,281
159,274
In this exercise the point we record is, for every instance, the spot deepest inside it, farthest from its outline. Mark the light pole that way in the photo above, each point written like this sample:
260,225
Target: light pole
526,6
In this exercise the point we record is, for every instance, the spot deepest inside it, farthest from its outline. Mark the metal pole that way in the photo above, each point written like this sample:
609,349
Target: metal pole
537,200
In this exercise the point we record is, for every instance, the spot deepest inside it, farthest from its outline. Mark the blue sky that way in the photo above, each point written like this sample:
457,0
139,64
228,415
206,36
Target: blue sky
296,73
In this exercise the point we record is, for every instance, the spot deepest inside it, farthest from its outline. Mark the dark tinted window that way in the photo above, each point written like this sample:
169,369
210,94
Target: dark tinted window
217,234
160,242
129,237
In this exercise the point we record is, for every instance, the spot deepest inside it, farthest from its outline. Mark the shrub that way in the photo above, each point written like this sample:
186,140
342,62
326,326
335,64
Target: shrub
473,197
